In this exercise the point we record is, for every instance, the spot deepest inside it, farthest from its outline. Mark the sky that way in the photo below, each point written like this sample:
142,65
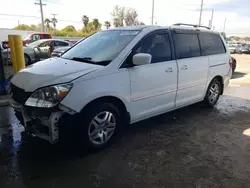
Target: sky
167,12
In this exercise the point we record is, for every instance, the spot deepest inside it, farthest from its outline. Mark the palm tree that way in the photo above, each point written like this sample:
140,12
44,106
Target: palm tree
96,23
47,22
107,24
54,22
85,20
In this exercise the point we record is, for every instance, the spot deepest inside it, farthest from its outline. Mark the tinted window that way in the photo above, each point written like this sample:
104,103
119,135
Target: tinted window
186,45
46,36
60,43
157,45
211,44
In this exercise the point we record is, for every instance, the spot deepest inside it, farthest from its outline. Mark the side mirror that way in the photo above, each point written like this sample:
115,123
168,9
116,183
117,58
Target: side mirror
142,59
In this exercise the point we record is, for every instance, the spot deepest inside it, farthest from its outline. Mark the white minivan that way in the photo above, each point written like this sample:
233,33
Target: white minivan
118,76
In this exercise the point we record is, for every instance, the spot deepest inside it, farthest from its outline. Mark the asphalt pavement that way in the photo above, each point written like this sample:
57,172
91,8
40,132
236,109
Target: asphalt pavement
190,147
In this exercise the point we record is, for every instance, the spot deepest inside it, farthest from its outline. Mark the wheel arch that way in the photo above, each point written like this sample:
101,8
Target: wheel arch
110,99
28,56
220,79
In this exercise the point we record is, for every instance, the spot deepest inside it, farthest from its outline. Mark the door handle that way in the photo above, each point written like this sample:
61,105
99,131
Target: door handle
169,70
184,67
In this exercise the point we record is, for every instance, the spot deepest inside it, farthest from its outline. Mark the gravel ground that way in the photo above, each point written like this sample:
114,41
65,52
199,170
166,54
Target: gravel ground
190,147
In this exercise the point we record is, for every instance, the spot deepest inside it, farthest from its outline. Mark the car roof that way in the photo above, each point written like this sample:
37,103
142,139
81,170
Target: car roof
187,28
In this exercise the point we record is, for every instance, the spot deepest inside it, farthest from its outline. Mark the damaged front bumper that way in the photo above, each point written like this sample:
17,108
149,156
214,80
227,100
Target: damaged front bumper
43,123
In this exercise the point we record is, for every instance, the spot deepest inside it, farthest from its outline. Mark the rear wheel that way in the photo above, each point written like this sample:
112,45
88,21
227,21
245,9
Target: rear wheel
99,125
27,59
213,93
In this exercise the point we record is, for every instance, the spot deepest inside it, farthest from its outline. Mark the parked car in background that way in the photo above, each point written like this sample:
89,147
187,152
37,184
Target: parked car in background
38,50
104,82
59,51
234,63
234,48
30,38
246,49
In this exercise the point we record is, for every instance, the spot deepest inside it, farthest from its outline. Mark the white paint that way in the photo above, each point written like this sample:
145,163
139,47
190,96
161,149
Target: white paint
145,90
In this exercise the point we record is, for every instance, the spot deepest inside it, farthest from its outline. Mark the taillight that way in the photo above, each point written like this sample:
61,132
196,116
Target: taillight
230,63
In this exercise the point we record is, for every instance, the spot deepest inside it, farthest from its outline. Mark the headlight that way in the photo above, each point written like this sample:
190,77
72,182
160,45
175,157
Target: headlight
49,96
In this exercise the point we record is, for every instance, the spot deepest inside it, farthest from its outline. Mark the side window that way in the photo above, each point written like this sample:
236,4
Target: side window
36,37
60,43
187,46
211,44
45,44
46,36
157,45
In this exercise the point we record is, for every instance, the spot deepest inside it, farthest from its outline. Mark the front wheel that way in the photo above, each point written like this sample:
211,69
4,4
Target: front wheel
27,59
99,125
213,93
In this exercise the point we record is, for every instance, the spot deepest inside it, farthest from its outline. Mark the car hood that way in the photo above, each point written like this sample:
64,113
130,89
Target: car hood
51,71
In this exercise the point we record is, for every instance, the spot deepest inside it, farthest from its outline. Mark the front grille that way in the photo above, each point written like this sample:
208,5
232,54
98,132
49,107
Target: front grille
19,95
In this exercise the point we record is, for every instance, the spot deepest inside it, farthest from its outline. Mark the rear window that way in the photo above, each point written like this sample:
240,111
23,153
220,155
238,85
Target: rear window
211,44
186,46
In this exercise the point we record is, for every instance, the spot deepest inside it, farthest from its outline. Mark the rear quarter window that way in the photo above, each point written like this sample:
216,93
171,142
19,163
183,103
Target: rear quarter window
211,44
46,36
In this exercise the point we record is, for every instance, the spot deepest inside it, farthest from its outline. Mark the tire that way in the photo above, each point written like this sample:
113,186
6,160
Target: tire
211,99
94,130
19,117
233,66
27,59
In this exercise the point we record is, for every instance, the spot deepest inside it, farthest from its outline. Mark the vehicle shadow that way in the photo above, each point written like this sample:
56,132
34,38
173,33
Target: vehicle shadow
238,75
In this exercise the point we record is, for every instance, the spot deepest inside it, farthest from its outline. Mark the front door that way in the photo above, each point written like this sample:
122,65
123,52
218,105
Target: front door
44,49
153,86
192,67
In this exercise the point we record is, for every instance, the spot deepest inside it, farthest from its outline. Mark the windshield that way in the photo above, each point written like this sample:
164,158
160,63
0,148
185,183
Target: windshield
101,48
34,44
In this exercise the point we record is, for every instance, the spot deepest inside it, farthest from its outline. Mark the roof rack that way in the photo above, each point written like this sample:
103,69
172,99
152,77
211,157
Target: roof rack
196,26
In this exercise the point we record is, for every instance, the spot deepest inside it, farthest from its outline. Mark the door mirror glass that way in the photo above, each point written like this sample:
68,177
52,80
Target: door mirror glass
142,59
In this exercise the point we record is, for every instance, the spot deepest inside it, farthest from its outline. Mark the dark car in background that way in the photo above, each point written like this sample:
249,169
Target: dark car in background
59,51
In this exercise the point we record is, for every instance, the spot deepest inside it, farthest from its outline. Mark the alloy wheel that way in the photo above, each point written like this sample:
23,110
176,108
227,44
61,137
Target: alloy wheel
102,127
214,93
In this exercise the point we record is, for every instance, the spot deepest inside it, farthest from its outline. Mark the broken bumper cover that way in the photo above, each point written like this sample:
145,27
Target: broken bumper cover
42,123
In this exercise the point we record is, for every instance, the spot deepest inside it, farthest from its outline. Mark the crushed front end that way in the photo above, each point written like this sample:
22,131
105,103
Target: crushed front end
39,121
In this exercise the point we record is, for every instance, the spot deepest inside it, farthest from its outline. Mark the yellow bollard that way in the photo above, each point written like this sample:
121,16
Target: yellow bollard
12,52
20,62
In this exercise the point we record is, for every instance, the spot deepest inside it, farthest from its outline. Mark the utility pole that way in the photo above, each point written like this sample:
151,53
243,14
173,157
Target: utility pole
212,17
153,7
201,12
41,10
224,27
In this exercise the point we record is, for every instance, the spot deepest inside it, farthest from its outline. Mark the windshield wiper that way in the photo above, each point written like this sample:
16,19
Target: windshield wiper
84,59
